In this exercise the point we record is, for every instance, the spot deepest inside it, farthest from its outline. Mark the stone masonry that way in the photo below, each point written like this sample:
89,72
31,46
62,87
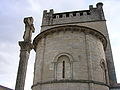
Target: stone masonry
84,48
73,52
25,48
92,18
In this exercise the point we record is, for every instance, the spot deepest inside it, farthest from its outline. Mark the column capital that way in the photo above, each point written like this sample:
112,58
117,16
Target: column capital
25,46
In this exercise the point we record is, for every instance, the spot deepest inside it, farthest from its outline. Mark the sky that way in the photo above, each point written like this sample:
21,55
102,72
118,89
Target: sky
12,13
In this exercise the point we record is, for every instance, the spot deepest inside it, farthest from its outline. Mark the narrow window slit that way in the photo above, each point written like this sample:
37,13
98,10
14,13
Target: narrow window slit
63,74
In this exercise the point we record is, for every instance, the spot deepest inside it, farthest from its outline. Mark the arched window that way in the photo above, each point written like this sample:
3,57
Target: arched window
103,66
63,67
63,71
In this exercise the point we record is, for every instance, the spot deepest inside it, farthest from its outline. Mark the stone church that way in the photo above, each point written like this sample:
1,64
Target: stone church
73,52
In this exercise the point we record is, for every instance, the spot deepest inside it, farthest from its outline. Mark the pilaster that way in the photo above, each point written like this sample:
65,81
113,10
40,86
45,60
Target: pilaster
89,62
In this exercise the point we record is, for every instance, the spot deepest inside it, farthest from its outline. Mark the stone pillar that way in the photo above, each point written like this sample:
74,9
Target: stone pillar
25,48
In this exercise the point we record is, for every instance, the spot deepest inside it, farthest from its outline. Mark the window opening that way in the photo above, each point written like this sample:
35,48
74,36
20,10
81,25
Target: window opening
63,71
104,70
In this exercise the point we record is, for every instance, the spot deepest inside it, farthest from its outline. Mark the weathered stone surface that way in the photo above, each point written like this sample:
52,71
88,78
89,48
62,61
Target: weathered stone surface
93,19
84,50
24,56
73,52
25,48
29,29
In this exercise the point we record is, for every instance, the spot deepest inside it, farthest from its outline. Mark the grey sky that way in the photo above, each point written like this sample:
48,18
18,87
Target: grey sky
12,13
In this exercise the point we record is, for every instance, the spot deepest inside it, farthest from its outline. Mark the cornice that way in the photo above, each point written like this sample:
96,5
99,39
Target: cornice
71,81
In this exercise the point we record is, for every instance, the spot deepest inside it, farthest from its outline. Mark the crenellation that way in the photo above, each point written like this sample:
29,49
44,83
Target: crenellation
51,11
77,14
64,15
90,7
44,12
99,5
93,14
71,14
84,13
81,35
57,16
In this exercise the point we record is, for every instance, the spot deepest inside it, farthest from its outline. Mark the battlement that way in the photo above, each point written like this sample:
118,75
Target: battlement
93,14
71,14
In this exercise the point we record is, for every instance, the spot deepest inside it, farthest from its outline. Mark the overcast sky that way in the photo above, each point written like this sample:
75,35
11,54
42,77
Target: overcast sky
12,13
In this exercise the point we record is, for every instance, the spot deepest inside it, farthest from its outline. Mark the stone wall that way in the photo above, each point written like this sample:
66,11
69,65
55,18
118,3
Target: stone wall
93,14
100,26
85,52
90,60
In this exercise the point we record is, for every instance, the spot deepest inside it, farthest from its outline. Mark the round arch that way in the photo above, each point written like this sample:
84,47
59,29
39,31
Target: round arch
64,54
60,67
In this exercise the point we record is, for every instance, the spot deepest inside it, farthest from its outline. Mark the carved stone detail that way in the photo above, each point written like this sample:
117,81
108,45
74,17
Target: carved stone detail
29,29
25,48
